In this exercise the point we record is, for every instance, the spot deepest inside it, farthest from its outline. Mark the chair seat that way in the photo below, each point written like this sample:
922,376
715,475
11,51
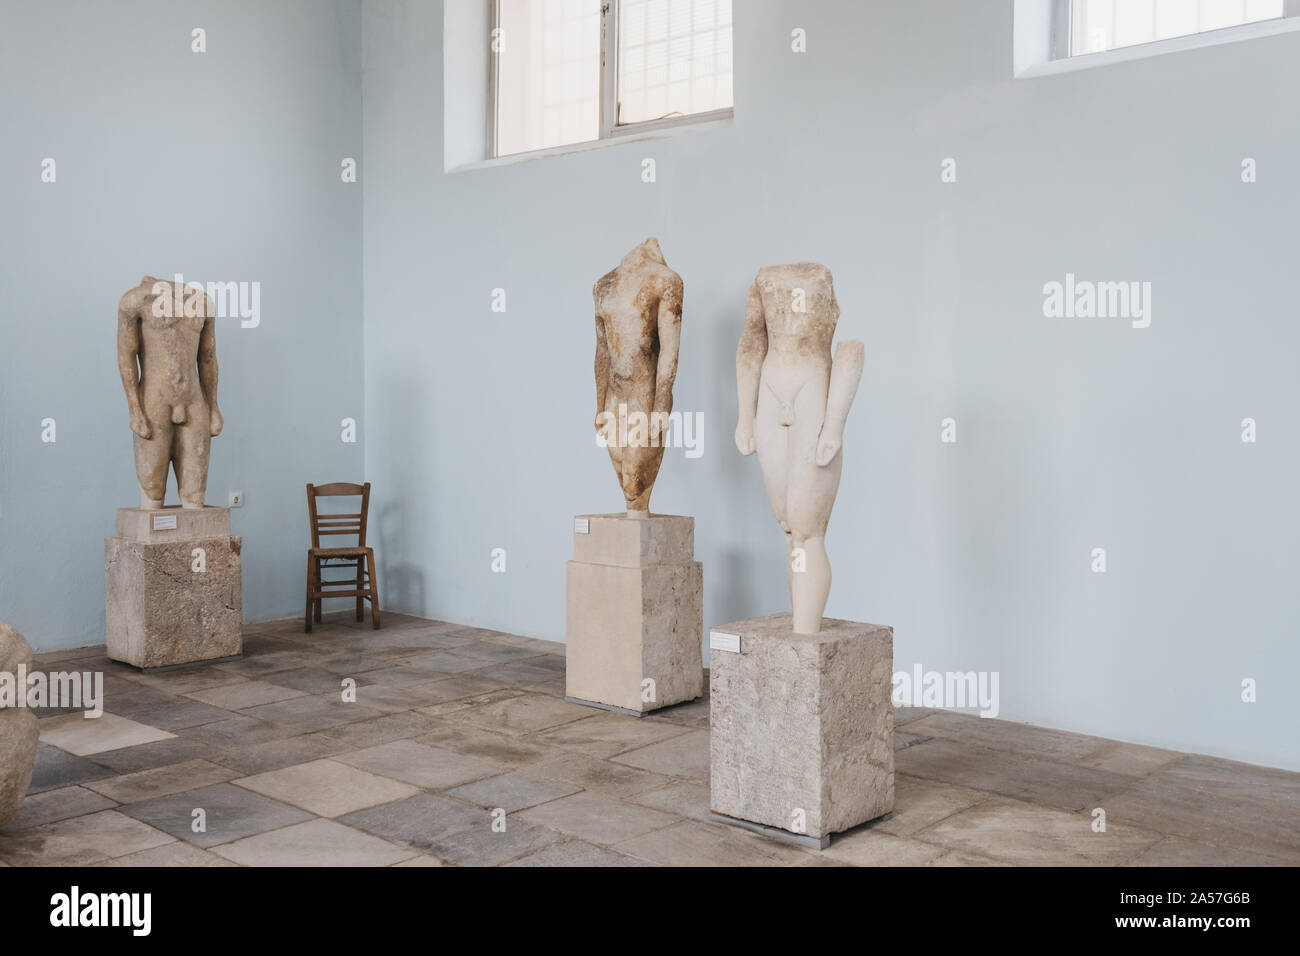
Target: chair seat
339,552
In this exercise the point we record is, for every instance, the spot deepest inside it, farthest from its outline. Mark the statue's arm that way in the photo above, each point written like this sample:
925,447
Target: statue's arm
670,336
128,352
749,364
846,372
602,370
208,367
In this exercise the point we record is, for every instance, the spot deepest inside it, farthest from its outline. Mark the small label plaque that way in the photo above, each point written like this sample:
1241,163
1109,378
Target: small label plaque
164,522
722,641
580,526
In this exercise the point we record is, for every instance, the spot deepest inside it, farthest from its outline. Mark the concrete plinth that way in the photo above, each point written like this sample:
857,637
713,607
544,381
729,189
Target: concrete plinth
168,603
802,736
634,613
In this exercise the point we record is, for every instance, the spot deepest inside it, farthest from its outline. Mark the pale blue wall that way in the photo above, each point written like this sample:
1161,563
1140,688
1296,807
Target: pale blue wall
222,166
1072,434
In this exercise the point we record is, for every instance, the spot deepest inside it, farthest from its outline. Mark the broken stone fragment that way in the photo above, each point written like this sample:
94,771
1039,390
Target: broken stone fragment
19,728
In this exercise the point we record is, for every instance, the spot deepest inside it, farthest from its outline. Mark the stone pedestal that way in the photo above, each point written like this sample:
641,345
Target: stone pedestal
634,613
168,603
802,738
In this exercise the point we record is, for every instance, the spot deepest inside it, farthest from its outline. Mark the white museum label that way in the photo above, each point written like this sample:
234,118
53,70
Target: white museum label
722,641
164,522
581,526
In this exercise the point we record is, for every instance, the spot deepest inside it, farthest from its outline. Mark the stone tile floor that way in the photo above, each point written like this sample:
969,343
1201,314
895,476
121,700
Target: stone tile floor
451,722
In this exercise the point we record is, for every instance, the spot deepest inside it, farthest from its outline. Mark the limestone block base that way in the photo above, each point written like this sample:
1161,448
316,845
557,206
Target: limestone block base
172,523
634,613
167,605
802,725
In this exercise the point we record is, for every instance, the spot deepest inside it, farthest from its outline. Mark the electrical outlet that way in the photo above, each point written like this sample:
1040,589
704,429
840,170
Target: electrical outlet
236,499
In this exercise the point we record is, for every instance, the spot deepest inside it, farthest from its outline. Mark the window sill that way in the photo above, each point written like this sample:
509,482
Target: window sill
719,120
1141,51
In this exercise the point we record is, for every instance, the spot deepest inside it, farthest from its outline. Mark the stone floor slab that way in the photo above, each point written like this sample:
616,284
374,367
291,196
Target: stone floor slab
521,714
919,803
512,791
175,854
305,715
1203,816
84,736
1024,739
1021,833
419,821
597,818
55,769
432,768
606,735
314,843
602,776
499,748
51,806
160,753
244,694
576,853
868,846
79,841
229,813
685,798
381,730
484,846
277,754
691,843
686,755
1049,783
161,781
326,787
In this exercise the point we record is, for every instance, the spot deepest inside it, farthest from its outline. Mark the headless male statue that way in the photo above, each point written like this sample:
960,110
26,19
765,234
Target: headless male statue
167,354
794,399
638,328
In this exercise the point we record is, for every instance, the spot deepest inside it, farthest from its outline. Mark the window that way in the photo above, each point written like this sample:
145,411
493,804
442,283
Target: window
573,71
1099,25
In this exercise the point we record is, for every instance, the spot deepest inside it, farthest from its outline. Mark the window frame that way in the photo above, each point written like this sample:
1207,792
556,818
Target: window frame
609,127
1062,16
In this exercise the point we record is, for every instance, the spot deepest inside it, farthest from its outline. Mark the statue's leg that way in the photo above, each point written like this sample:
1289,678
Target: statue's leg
152,457
810,497
772,443
190,452
638,460
640,469
612,436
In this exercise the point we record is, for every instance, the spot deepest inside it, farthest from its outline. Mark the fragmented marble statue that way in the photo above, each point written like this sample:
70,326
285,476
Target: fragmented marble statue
167,354
638,327
19,728
794,399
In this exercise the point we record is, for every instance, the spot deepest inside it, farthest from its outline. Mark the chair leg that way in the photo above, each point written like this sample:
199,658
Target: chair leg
374,589
319,600
361,601
307,616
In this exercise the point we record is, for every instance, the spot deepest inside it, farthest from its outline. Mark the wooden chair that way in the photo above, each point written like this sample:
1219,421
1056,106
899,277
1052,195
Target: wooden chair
364,584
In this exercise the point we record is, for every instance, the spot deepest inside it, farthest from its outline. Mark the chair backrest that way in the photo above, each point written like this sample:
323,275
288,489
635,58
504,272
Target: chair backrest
335,524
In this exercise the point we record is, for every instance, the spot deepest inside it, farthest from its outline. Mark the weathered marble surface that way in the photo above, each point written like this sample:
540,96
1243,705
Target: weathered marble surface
167,357
634,610
803,722
160,610
794,399
638,328
19,729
